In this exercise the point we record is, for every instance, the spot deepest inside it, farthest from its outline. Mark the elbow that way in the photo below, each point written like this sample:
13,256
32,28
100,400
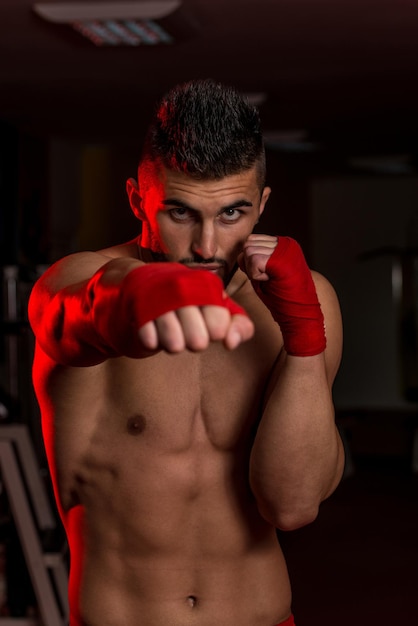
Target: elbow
292,520
288,517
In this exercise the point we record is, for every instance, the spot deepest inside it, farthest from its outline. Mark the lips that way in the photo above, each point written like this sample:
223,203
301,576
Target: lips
211,267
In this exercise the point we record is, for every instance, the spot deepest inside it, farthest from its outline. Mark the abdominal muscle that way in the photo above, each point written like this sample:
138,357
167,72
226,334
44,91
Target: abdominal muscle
178,592
167,549
151,476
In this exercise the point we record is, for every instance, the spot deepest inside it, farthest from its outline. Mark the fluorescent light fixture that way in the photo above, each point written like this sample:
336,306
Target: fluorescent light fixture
292,140
67,13
123,33
256,98
119,23
292,135
383,164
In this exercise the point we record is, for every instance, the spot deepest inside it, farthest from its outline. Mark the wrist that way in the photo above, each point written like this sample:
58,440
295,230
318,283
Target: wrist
291,297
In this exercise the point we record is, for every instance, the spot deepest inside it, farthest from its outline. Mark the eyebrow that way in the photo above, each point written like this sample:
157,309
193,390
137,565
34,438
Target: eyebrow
183,205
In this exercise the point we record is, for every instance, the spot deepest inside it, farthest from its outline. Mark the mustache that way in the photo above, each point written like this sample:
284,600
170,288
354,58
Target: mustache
195,260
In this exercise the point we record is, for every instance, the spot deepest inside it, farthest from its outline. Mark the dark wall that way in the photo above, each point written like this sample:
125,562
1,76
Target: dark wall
9,153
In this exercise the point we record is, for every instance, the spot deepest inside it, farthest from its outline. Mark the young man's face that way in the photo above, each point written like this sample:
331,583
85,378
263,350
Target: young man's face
201,223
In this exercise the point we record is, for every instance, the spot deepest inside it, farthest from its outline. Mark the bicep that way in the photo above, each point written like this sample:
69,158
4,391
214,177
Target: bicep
65,276
68,273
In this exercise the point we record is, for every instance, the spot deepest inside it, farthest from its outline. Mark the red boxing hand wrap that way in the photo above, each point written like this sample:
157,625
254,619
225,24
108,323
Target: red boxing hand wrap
164,287
145,293
290,295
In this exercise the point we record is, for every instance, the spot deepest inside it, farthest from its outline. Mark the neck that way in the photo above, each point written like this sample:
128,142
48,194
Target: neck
146,254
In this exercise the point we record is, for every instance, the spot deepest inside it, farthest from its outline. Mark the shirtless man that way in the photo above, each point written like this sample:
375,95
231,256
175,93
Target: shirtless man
184,423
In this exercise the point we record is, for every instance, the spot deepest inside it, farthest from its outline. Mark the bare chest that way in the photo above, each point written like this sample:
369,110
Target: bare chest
177,400
174,416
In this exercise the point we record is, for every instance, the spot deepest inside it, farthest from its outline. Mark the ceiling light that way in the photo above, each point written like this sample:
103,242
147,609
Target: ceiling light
256,98
120,23
66,12
123,32
383,164
292,140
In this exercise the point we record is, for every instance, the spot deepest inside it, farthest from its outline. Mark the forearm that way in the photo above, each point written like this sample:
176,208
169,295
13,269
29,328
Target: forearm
297,458
124,303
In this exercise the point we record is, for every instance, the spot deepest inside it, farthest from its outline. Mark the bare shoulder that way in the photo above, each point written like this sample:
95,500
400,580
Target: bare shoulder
123,250
70,273
81,266
333,322
324,288
71,269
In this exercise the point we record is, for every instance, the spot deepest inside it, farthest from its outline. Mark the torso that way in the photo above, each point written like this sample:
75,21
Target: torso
149,459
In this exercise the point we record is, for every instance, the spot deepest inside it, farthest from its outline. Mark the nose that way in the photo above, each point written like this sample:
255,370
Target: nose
204,242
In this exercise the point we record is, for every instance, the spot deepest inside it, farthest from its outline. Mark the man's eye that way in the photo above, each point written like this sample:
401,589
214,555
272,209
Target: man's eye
180,214
231,215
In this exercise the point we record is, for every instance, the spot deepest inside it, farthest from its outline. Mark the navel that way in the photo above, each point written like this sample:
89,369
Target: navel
192,601
136,425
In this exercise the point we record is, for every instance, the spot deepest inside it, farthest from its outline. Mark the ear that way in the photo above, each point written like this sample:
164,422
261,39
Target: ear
264,197
135,200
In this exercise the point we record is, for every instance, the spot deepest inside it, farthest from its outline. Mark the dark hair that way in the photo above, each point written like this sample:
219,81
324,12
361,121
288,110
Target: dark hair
207,130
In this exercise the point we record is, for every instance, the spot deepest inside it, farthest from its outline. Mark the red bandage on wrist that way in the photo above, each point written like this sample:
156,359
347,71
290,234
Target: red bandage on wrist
290,295
162,287
119,308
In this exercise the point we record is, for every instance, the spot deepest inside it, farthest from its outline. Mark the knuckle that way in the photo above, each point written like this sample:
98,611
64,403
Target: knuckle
217,320
170,334
198,341
147,335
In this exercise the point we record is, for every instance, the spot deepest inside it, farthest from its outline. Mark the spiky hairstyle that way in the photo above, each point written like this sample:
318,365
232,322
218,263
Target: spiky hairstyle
206,130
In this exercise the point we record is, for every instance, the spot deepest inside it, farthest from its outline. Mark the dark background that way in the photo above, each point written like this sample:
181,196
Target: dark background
337,87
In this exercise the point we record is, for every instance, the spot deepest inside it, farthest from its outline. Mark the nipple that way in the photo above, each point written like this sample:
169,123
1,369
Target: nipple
192,600
136,424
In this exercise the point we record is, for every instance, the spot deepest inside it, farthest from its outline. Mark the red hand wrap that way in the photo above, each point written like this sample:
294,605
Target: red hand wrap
119,309
164,287
290,295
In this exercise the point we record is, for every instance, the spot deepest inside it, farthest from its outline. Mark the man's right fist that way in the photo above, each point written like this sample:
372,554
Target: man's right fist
193,328
172,307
